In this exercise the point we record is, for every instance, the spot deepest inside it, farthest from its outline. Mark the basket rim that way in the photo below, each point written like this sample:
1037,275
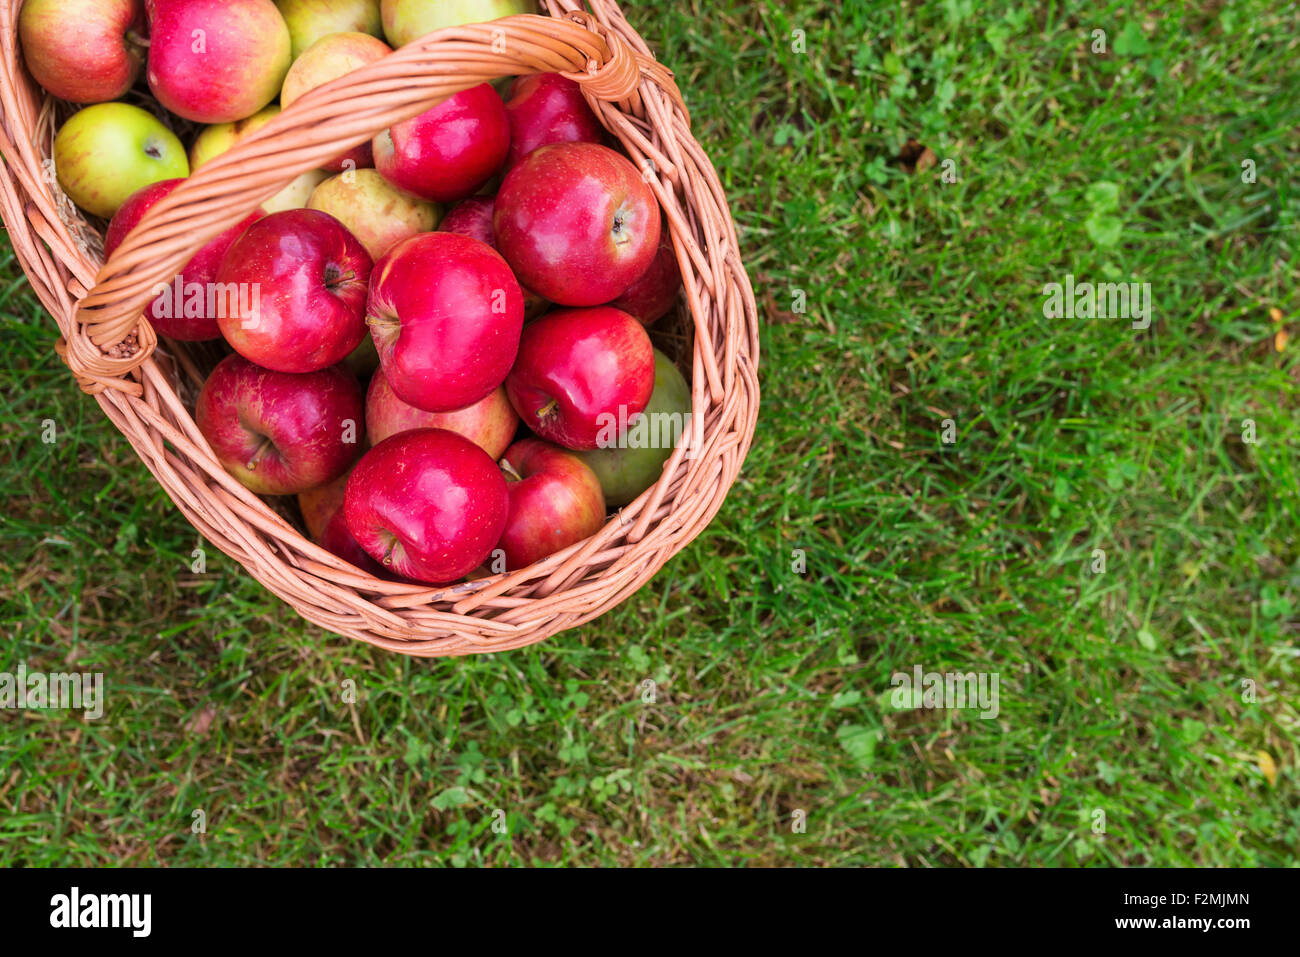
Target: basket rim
98,308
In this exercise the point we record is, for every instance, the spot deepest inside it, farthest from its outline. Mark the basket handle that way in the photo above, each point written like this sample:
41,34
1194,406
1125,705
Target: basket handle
113,338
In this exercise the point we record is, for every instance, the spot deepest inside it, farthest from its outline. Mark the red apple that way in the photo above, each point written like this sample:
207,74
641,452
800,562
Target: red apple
577,223
450,151
445,313
301,281
547,108
279,433
555,501
473,217
653,295
581,375
428,504
490,424
322,512
330,57
85,51
187,309
216,61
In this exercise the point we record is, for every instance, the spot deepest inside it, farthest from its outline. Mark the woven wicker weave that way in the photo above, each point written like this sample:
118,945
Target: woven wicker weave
116,357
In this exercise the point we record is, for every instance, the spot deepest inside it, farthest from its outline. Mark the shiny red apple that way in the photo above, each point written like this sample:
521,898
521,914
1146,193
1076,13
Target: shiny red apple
445,313
279,433
547,108
301,281
428,504
473,217
187,309
577,223
655,293
449,152
555,502
490,423
582,375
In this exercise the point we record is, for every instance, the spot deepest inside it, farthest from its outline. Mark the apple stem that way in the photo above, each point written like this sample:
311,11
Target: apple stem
252,462
333,278
512,475
548,410
136,40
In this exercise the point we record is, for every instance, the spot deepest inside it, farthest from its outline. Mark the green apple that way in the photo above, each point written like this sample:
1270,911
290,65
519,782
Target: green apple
625,473
309,20
216,139
374,210
219,137
108,151
297,193
407,20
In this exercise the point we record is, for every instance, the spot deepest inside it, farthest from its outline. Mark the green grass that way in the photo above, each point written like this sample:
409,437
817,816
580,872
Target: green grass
1121,691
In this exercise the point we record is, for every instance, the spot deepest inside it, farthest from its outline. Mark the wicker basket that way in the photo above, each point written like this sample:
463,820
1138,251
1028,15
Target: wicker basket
147,388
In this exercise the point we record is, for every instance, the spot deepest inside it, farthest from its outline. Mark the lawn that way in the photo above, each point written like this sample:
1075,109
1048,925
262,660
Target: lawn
1100,512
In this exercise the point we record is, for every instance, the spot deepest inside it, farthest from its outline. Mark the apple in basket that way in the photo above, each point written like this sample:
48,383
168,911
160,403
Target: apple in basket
555,502
281,433
187,308
86,51
216,61
107,152
322,513
219,137
309,20
473,217
428,504
637,461
445,313
297,281
489,423
582,375
328,59
408,20
577,223
450,151
547,108
655,293
374,210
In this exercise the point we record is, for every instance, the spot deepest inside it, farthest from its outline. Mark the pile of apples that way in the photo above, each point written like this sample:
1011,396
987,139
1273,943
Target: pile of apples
491,266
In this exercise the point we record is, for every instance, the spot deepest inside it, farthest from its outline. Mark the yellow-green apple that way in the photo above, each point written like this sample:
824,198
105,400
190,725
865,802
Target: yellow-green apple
306,276
280,433
374,210
555,502
309,20
428,504
322,513
329,58
86,51
216,139
106,152
216,61
445,313
473,217
636,461
654,294
579,371
546,108
449,152
408,20
577,223
188,306
489,423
